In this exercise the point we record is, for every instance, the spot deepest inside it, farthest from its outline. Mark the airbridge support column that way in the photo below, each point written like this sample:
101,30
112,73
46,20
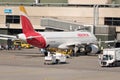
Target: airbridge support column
95,16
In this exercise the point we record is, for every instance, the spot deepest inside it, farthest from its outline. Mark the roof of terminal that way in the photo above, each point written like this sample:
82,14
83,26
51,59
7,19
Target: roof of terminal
57,3
31,1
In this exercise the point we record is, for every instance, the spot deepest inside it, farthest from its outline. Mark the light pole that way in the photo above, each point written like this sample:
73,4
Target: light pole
9,41
8,26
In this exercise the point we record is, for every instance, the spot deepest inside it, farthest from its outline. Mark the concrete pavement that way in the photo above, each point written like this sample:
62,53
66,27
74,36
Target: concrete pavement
27,64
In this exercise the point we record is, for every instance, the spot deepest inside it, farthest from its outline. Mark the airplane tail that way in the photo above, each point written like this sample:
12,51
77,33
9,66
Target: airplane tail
26,24
32,37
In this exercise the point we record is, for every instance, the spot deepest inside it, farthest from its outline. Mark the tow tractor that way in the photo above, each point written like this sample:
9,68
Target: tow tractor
55,58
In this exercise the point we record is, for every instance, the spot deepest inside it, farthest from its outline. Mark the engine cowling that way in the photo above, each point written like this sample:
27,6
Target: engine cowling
92,49
63,46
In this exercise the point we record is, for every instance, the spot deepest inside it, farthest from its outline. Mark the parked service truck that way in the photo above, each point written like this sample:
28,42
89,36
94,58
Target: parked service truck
110,57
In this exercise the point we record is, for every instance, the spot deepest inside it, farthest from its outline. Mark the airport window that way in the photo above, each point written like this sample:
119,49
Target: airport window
112,21
13,19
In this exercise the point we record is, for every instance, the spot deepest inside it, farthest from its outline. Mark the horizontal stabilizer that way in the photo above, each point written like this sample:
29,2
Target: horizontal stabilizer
6,37
31,37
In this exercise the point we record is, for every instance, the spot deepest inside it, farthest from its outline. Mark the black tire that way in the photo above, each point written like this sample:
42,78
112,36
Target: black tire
86,53
114,64
57,61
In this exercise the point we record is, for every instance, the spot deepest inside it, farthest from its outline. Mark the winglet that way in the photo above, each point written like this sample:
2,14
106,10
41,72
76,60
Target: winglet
22,9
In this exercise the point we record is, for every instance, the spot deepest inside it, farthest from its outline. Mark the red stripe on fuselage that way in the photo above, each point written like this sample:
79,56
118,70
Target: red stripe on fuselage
28,30
38,41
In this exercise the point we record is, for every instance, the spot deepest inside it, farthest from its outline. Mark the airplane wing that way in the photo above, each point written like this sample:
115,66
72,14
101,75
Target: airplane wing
6,37
69,44
110,41
3,38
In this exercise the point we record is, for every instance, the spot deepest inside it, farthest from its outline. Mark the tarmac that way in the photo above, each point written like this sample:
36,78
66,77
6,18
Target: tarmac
28,64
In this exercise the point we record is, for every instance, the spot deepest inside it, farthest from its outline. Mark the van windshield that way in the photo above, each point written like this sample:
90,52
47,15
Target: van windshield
107,57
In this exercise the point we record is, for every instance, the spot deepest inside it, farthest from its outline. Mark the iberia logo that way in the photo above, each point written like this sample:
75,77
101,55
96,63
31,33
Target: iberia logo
83,35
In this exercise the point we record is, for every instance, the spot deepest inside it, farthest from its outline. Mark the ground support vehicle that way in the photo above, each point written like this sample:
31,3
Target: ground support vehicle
22,44
55,58
110,57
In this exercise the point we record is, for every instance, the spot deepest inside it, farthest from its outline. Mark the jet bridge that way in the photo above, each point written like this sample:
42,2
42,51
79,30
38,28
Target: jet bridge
61,25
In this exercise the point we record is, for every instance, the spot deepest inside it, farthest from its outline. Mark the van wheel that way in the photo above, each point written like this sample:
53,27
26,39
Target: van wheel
57,61
114,64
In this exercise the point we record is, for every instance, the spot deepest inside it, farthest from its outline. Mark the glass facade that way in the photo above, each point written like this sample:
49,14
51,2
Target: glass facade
13,19
112,21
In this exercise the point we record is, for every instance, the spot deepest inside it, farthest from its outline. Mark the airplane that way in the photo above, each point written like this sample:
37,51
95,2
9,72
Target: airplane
62,40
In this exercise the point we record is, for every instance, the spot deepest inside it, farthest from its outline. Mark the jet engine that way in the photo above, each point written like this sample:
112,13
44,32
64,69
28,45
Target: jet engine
91,49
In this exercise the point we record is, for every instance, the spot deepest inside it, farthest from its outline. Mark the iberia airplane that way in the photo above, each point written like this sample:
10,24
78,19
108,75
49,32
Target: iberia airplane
62,40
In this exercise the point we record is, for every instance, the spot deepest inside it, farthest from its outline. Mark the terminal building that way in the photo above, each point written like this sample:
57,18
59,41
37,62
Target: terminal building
103,15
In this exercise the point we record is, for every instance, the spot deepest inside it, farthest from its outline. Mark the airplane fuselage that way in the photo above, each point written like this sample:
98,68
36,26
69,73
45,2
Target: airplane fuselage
55,39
